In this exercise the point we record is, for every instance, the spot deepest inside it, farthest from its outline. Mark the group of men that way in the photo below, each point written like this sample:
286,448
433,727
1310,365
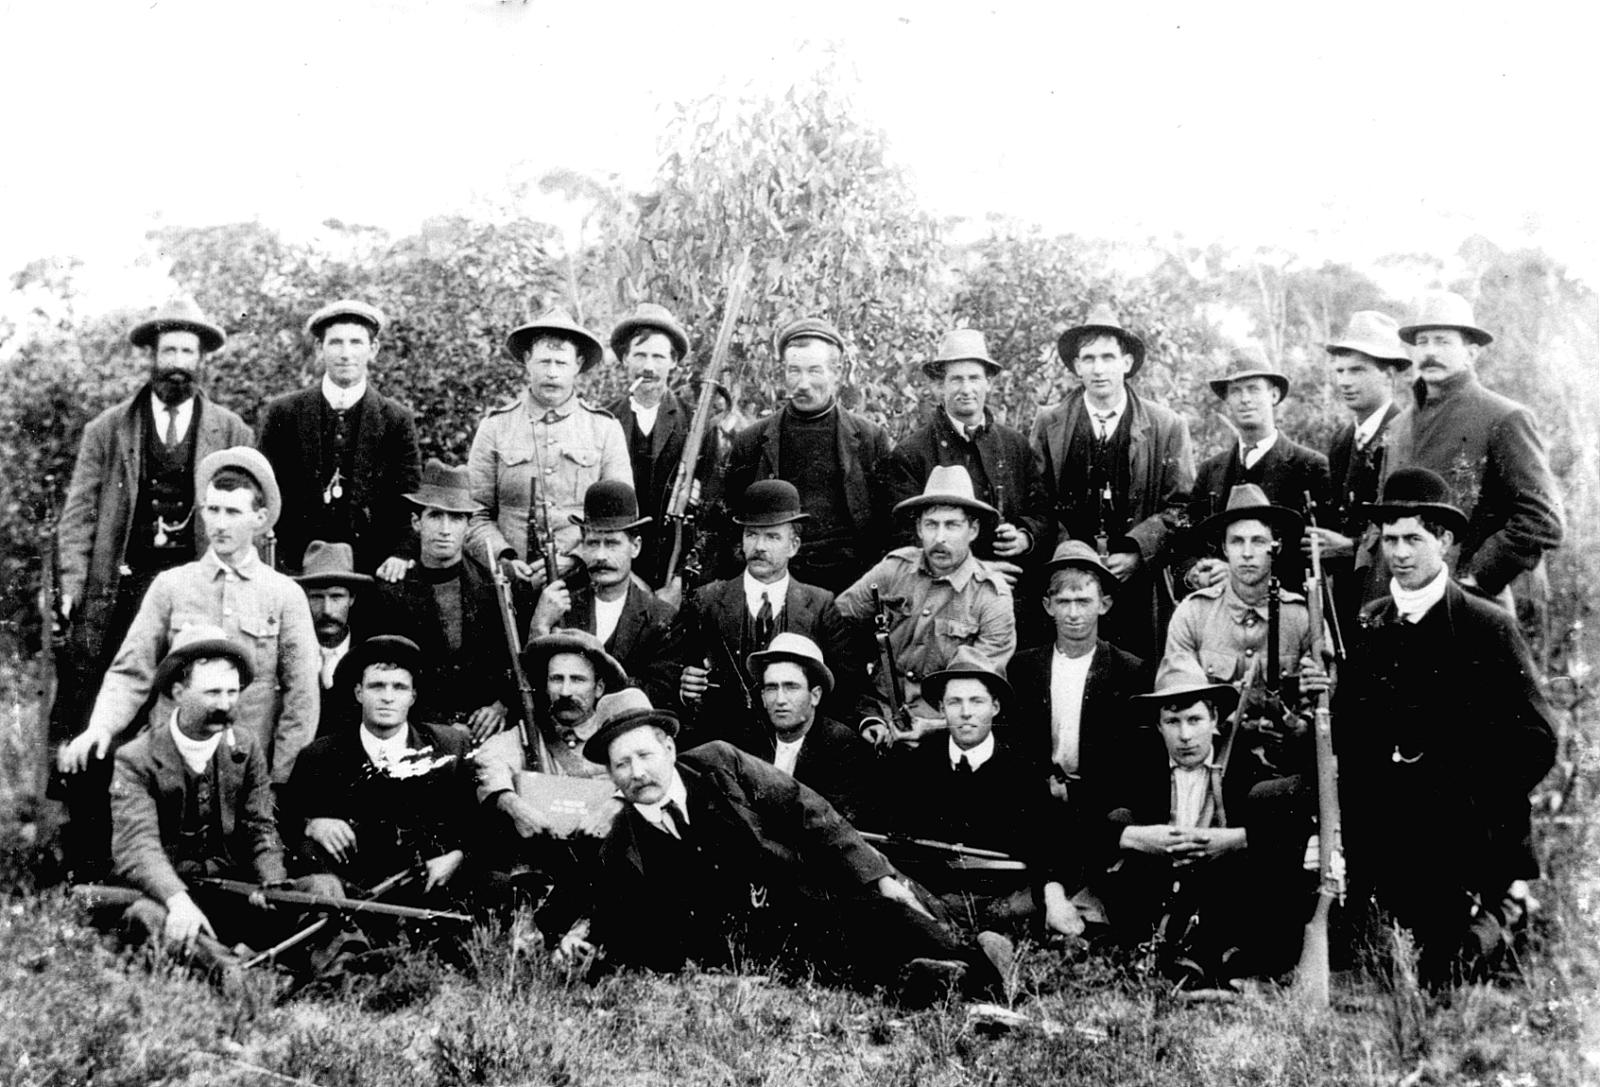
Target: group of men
927,694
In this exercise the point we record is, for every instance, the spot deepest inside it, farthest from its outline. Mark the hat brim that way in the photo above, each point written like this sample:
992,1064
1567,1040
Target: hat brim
597,748
1379,513
1071,341
919,501
439,498
206,649
773,520
630,327
933,686
758,661
145,333
1220,385
601,524
590,350
1108,580
385,649
934,368
350,580
1408,333
1224,694
249,461
1376,352
607,669
1285,522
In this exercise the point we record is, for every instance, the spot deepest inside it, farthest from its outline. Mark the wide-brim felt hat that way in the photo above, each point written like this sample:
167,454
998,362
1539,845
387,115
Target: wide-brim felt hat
1417,492
444,487
180,314
1102,321
966,664
557,322
797,649
1077,555
248,460
1248,502
1247,362
624,711
384,649
820,327
607,669
649,316
1189,690
330,564
1375,335
350,309
948,485
961,345
203,641
769,502
609,505
1444,309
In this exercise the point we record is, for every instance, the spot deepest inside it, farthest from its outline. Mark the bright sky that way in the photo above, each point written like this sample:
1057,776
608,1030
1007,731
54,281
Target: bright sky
1342,131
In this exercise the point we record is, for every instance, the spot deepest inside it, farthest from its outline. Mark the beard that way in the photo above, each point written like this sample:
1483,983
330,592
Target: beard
173,386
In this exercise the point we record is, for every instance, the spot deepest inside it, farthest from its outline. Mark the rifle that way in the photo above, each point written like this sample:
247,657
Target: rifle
899,712
736,673
533,748
1311,975
961,856
52,627
678,512
331,903
541,538
1326,581
399,879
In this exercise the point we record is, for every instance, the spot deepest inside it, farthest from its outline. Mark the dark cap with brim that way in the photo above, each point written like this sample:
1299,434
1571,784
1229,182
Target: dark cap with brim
597,748
1186,692
384,649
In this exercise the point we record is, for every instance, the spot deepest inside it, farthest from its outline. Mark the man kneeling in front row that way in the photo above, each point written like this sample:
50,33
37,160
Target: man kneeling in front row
735,861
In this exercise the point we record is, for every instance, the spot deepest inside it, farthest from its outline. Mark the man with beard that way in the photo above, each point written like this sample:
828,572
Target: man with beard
343,452
447,604
835,458
609,602
723,622
997,457
191,798
330,582
237,500
128,515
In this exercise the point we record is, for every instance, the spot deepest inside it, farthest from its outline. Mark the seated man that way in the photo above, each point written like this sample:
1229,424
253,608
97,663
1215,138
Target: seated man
732,860
981,790
608,601
447,604
390,795
181,810
1195,851
328,576
828,756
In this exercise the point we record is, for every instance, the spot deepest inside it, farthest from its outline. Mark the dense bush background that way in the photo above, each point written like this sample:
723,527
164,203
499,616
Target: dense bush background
832,226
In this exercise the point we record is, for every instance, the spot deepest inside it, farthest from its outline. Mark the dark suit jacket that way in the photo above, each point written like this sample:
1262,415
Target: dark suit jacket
834,760
387,465
1285,472
1354,480
757,820
148,788
711,624
641,642
660,465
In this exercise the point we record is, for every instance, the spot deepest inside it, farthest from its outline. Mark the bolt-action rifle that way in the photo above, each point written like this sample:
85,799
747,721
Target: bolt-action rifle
533,748
882,624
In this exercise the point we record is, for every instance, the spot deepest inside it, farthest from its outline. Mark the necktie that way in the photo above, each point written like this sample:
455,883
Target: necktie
1252,453
171,438
1102,425
764,621
962,765
678,819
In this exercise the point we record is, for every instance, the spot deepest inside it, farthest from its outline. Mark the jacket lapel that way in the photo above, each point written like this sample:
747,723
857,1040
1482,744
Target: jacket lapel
311,452
799,614
629,624
667,423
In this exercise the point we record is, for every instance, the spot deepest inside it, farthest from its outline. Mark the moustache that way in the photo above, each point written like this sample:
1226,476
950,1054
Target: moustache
565,702
219,717
603,567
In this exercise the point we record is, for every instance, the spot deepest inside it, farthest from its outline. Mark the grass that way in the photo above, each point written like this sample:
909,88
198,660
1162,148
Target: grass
73,1011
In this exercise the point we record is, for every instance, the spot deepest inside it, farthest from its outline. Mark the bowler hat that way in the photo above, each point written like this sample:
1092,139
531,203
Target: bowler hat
768,502
1186,690
444,487
961,345
619,712
651,317
253,464
1373,334
1244,363
610,505
1077,555
797,649
820,327
203,641
966,664
1417,492
948,485
349,309
1247,502
179,314
559,323
1102,321
330,564
1444,309
537,653
384,649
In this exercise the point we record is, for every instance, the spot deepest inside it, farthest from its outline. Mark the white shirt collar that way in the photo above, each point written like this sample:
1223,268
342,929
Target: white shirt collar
1113,414
342,399
777,592
644,418
607,614
331,658
1369,426
195,753
158,412
655,814
964,429
1258,451
381,752
977,756
786,753
1413,604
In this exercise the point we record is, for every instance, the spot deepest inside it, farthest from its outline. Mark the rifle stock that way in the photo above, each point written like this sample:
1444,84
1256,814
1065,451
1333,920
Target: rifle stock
1312,981
533,748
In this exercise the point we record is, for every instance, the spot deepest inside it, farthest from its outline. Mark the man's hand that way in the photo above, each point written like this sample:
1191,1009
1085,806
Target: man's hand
88,745
393,568
1206,573
554,602
1122,564
185,922
895,891
487,720
1333,545
64,605
575,953
441,868
525,571
325,884
1206,843
1156,838
527,822
876,731
693,683
597,822
1008,570
1060,915
1010,541
1058,788
1314,679
336,836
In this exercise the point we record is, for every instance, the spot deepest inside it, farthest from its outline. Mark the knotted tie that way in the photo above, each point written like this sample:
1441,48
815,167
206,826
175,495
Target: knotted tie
962,765
764,623
171,437
1102,424
677,819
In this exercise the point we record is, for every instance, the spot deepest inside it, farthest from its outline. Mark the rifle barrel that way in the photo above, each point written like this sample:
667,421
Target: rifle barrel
333,903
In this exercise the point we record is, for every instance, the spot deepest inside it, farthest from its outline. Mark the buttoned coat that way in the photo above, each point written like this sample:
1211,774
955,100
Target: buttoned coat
834,760
641,642
386,465
1354,478
97,517
667,438
570,448
148,788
